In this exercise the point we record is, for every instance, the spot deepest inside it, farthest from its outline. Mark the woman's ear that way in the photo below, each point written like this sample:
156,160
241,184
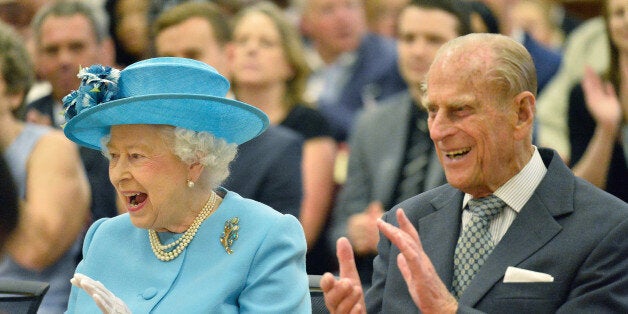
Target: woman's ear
525,108
194,171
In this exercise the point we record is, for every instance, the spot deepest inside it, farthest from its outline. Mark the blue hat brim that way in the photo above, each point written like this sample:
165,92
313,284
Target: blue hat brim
231,120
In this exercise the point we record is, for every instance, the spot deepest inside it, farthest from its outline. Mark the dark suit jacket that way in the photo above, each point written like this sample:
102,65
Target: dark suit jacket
268,169
546,61
568,229
374,76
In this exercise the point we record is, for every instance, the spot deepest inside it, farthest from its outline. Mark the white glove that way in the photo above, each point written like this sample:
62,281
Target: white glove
105,300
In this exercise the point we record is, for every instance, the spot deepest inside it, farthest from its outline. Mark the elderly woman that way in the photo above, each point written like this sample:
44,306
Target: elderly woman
186,245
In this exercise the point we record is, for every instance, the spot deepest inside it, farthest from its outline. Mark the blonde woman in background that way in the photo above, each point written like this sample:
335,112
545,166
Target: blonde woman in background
269,70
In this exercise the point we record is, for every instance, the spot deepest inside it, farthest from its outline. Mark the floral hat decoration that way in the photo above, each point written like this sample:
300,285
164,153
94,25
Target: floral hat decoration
171,91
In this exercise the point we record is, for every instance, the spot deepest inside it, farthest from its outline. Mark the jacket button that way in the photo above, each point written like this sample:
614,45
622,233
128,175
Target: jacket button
149,293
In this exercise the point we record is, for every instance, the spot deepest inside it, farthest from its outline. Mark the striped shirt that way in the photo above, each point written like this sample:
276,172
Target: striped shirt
515,193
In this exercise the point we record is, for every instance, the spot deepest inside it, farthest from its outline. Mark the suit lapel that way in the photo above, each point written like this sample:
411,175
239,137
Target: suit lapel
435,174
439,245
534,227
531,230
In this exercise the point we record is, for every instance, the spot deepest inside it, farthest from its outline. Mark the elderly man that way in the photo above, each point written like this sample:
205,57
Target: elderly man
67,35
513,230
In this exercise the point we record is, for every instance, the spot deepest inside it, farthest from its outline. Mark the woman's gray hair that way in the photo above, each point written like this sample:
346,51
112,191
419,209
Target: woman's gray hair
212,152
191,146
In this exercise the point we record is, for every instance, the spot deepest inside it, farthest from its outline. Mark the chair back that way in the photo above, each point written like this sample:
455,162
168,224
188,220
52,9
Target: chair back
20,296
316,295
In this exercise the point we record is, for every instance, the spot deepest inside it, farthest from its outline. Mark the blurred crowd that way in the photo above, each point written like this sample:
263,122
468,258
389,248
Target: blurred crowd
329,75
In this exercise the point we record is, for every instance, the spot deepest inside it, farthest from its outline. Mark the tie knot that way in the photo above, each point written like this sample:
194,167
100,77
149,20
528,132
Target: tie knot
486,207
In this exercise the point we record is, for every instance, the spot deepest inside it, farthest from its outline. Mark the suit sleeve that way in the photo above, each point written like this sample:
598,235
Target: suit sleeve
278,282
601,284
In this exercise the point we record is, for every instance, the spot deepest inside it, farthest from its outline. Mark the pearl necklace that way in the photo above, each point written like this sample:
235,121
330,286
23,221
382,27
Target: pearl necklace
161,251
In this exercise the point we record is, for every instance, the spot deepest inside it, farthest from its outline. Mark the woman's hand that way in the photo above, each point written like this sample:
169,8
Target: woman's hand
601,100
105,300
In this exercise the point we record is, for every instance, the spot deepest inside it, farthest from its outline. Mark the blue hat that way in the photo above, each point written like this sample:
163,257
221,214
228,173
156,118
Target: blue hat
171,91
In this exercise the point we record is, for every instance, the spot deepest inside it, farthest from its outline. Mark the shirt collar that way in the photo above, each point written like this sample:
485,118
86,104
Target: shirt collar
517,191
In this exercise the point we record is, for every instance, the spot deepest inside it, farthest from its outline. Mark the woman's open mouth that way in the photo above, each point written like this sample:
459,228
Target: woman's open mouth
135,201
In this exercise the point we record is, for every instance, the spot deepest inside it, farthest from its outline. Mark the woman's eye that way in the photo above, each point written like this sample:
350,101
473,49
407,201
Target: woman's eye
135,156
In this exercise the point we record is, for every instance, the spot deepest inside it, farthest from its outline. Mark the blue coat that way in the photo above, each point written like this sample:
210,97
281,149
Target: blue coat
568,229
264,274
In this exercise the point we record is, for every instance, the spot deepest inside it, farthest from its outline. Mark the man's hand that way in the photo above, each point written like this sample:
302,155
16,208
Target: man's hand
428,291
105,300
362,229
344,295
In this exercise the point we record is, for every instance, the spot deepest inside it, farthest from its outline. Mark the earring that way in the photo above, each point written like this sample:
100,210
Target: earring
190,183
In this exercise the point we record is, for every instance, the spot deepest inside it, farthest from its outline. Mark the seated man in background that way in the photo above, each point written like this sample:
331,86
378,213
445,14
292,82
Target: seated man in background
392,156
352,67
68,35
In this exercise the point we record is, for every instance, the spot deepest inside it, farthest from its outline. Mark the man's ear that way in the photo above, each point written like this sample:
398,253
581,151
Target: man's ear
525,108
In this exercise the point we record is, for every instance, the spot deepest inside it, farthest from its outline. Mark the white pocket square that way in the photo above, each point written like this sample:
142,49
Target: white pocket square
514,274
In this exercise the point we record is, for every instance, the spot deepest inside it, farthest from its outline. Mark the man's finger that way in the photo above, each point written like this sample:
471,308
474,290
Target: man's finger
407,244
351,300
394,234
406,225
327,282
346,260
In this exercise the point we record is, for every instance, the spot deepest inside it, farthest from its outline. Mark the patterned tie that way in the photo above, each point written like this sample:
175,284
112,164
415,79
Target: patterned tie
475,242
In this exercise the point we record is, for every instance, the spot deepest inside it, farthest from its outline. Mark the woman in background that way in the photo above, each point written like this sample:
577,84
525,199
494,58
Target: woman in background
269,70
598,112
